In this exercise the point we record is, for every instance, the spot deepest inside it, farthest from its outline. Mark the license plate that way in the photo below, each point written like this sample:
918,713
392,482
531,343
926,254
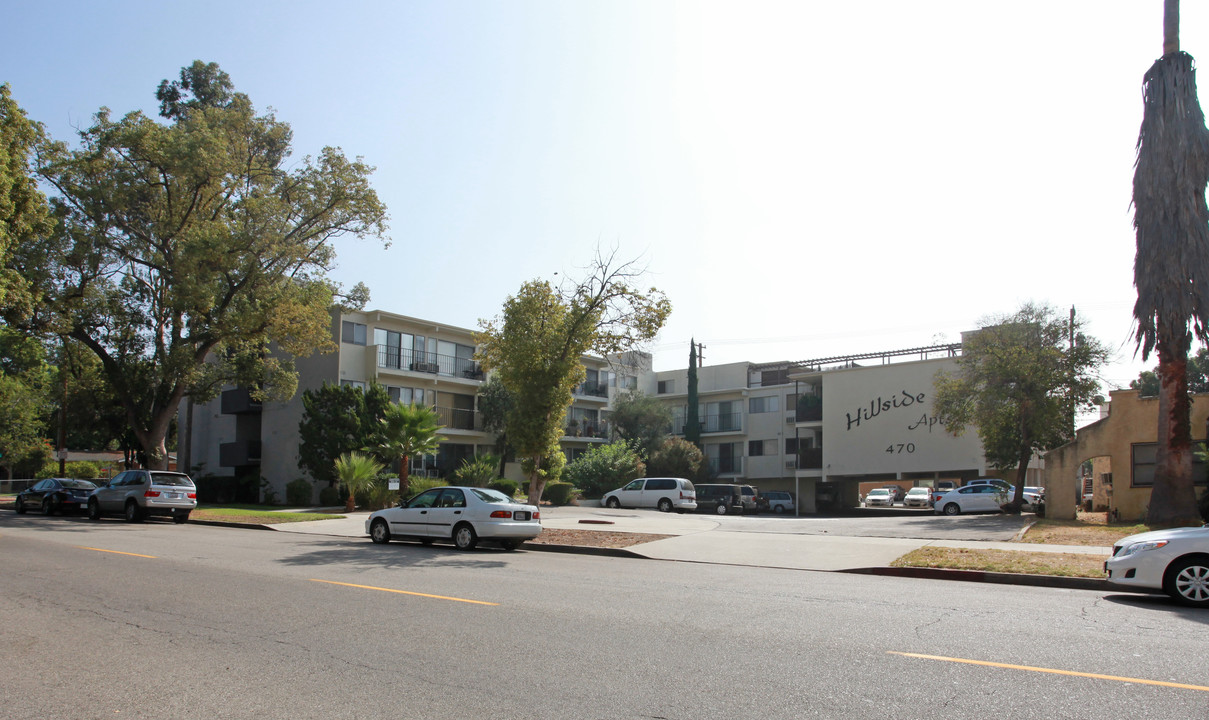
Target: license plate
520,515
172,496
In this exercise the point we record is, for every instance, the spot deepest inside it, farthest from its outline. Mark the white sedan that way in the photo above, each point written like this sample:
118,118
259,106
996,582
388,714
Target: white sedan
971,498
464,515
1175,561
879,496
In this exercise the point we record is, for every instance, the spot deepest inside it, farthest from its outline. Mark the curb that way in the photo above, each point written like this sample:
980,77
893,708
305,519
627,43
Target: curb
1051,581
584,550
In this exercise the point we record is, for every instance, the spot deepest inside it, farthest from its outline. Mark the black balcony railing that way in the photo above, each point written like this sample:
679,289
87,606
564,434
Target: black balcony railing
239,402
593,390
726,465
459,419
588,429
239,453
810,459
718,423
426,362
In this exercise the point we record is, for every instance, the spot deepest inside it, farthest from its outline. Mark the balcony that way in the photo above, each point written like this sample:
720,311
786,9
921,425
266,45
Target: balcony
725,466
595,429
718,423
239,453
459,418
239,402
592,390
810,459
426,362
810,408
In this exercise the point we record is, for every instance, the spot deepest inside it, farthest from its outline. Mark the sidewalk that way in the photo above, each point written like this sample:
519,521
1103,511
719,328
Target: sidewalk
700,538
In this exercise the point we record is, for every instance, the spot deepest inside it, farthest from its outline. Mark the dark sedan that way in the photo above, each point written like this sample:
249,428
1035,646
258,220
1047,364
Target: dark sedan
56,495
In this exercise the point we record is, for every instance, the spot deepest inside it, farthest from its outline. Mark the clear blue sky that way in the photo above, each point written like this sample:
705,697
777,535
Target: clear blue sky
803,178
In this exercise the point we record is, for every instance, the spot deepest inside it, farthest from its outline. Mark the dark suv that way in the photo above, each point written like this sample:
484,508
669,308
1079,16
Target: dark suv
136,494
721,499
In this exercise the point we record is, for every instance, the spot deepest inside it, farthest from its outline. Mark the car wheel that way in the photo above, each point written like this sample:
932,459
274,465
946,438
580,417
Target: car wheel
464,537
779,509
1187,581
94,510
379,532
48,508
509,545
133,513
180,518
20,508
613,503
721,509
952,509
665,505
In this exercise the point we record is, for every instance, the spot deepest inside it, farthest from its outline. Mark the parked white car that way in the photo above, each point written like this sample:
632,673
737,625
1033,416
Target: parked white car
667,494
918,497
1174,561
464,515
779,501
972,498
879,497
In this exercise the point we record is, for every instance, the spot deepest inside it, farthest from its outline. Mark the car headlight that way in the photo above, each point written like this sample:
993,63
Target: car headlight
1143,546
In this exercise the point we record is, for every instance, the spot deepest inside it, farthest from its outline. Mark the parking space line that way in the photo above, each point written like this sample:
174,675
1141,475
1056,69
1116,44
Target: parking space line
404,592
117,552
1053,671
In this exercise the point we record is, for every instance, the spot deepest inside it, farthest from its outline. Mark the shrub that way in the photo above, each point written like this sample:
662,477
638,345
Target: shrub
604,468
678,457
378,495
331,496
79,470
560,493
300,492
478,471
508,487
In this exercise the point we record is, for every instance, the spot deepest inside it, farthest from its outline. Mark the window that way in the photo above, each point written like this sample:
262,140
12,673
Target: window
667,386
390,344
756,448
352,333
627,382
791,446
1144,463
764,404
355,383
661,484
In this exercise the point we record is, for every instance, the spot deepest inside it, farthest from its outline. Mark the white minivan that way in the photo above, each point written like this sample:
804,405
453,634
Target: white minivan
667,494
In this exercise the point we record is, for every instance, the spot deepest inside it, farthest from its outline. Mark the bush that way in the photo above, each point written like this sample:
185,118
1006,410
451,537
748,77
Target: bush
508,487
478,471
604,468
560,493
332,496
79,470
300,492
678,457
378,495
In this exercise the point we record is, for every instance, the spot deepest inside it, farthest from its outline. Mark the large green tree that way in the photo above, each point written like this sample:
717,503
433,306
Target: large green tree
1171,267
24,212
1018,381
186,248
404,432
641,420
336,420
537,346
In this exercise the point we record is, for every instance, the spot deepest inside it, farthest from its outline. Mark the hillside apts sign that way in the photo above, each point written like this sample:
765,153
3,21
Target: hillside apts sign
880,420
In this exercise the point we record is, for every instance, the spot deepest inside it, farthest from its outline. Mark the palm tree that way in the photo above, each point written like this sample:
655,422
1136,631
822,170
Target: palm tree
356,471
404,431
1171,268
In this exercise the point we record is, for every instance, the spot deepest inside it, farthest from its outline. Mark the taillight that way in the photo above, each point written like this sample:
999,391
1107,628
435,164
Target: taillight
191,496
501,514
152,493
537,516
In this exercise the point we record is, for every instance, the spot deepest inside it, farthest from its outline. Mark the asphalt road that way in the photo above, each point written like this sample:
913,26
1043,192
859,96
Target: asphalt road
109,620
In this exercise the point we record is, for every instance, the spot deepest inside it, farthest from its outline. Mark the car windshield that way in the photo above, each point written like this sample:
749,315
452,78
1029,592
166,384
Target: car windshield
879,491
488,495
78,485
918,491
165,478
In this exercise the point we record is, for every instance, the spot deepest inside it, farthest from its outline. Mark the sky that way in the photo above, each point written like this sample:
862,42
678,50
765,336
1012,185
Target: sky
803,179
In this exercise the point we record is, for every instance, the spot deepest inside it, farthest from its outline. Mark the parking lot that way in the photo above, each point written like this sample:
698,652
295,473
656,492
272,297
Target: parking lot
896,522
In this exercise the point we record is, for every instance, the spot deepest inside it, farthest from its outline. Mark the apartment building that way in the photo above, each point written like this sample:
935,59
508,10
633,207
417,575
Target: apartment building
417,361
819,428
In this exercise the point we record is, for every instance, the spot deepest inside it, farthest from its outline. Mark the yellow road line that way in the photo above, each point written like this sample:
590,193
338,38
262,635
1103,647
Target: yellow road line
404,592
1097,676
116,552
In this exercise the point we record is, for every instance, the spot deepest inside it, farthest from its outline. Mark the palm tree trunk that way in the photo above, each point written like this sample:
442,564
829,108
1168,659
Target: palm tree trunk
404,476
1173,499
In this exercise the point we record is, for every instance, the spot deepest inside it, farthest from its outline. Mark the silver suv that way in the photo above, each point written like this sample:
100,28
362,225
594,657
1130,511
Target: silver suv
135,494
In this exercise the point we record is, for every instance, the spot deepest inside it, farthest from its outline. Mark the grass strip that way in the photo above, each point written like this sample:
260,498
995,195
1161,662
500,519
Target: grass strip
1005,561
255,515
